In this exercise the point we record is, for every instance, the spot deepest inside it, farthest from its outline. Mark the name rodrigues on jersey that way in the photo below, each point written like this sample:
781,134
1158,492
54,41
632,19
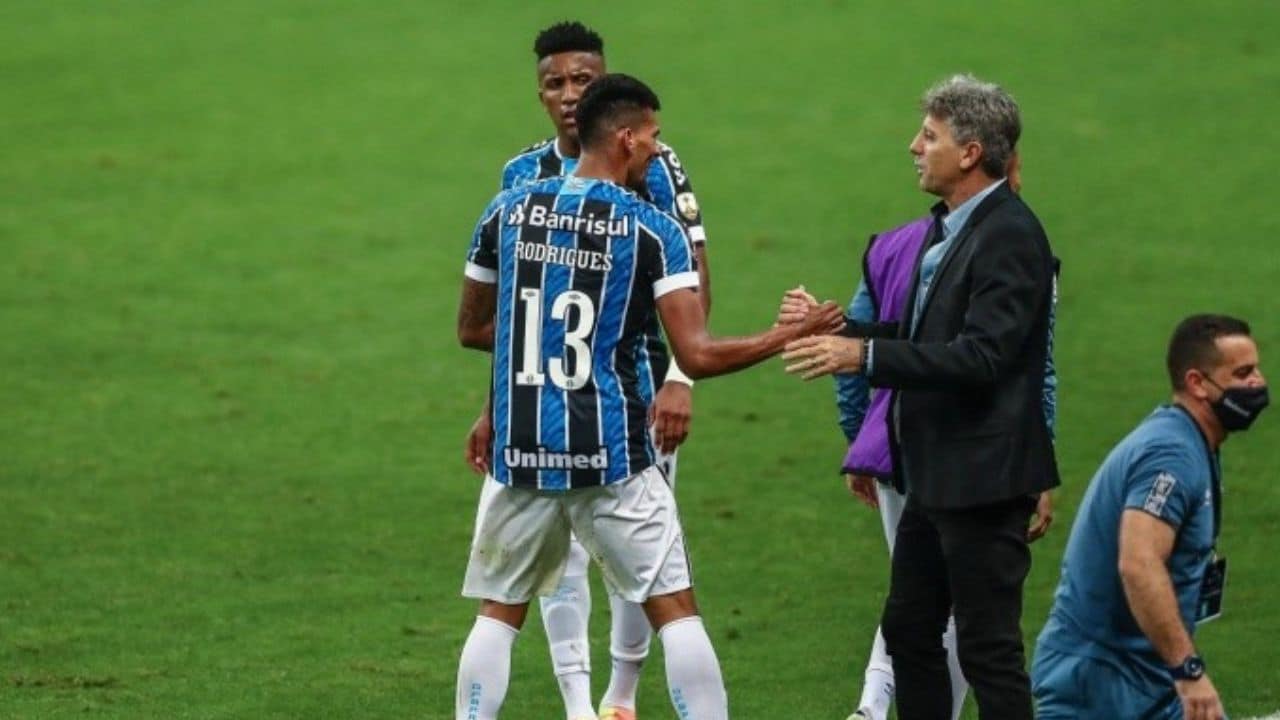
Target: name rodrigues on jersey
544,460
556,255
539,216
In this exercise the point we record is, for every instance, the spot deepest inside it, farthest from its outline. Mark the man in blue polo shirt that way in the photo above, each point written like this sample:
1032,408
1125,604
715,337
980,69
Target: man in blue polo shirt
1141,569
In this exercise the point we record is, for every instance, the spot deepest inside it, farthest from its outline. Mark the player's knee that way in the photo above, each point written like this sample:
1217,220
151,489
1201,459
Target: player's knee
631,649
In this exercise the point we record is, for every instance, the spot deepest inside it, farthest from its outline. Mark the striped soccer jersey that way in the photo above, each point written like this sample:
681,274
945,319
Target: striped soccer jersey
666,186
578,265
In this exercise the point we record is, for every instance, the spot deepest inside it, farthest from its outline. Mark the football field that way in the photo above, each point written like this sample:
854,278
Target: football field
231,246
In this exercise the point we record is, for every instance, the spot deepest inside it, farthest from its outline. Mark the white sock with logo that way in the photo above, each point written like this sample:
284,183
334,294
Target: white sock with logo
693,672
629,645
484,670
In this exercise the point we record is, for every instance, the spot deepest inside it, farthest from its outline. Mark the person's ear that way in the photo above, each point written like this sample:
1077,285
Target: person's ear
971,155
1195,383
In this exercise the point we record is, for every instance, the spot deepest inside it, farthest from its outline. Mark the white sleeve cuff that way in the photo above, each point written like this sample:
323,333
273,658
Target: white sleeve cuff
697,235
675,374
664,285
480,273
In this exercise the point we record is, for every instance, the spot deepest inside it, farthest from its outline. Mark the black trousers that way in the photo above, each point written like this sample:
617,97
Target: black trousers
971,562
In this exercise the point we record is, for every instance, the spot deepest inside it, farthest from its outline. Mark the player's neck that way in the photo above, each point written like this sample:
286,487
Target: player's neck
1204,417
601,167
567,147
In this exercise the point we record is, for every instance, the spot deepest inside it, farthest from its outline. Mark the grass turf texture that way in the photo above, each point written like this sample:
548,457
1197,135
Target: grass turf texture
232,236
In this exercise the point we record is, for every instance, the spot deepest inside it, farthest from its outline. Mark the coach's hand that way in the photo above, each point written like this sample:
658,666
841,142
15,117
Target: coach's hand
670,415
863,487
820,355
1042,518
1200,699
479,445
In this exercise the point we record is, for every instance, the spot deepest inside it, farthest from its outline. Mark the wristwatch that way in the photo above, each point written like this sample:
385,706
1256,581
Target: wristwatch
1191,668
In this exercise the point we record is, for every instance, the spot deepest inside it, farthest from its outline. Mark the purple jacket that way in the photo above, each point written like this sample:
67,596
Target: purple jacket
888,267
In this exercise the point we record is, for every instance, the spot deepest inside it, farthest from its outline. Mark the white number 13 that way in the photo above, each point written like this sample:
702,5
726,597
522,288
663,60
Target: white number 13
574,339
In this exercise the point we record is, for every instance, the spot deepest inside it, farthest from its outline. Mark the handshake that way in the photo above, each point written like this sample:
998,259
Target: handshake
817,355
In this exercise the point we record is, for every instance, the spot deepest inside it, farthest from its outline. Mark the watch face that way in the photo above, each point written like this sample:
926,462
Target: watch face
1191,669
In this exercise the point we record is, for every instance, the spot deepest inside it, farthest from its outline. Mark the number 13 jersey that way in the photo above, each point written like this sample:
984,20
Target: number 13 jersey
579,264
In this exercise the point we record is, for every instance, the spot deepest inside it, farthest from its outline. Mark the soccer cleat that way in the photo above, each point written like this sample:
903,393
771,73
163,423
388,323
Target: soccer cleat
617,713
861,714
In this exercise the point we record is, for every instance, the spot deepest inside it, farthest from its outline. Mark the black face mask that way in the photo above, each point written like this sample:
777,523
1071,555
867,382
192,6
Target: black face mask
1238,407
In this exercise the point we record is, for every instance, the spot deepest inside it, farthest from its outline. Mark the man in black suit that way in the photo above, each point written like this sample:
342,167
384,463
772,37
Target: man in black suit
970,446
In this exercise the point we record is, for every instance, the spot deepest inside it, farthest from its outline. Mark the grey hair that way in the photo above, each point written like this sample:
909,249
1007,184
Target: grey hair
977,111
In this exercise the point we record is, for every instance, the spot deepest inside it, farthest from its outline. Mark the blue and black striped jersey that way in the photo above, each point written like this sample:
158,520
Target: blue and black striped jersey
667,186
579,264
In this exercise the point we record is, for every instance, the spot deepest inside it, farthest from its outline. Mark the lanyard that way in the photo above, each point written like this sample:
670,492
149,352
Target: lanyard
1215,473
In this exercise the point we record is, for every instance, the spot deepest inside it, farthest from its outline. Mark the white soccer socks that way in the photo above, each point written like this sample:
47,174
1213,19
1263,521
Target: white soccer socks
564,615
877,687
484,670
629,645
877,683
693,672
959,686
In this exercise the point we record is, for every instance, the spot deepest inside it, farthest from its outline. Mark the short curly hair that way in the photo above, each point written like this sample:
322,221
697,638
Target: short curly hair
568,36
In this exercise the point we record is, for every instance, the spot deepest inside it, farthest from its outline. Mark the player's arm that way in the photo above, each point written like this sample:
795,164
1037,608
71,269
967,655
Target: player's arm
477,308
671,190
704,277
666,262
701,355
476,314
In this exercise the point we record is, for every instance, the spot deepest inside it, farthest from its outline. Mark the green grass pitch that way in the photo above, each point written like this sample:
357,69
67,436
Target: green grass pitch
231,242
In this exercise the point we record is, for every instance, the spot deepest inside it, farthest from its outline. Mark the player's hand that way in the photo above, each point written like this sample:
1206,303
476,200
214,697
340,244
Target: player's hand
863,487
822,319
815,356
670,415
796,304
1200,699
479,445
1042,518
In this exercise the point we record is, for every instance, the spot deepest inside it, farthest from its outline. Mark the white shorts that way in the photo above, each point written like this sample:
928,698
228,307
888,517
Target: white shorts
667,464
631,529
892,504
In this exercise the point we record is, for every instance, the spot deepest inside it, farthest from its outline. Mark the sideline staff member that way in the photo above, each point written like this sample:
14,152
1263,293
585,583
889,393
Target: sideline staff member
1140,568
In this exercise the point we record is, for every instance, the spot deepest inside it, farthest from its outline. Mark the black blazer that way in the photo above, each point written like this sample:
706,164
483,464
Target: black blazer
967,423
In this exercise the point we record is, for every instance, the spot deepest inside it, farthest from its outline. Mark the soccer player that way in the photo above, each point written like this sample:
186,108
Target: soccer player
562,275
570,57
1141,568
